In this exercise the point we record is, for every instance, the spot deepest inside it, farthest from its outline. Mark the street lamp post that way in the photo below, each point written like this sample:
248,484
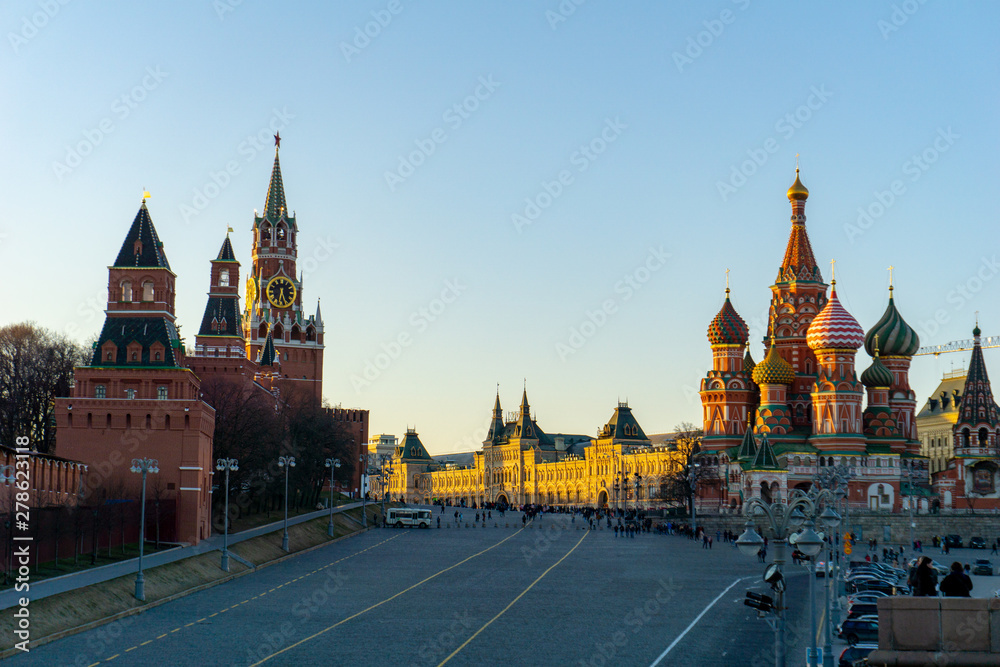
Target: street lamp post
693,474
363,461
286,462
909,467
226,465
332,464
638,481
142,466
781,517
829,520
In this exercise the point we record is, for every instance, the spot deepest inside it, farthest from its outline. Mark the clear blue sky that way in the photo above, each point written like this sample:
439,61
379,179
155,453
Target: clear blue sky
675,96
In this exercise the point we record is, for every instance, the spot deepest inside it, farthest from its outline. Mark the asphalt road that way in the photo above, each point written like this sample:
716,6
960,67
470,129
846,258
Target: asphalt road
551,594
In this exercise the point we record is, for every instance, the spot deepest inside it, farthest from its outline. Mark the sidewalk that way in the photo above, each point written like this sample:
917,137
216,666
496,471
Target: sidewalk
55,585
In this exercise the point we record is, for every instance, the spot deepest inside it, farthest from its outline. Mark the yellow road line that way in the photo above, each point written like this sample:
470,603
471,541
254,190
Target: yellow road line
379,604
130,649
514,601
111,658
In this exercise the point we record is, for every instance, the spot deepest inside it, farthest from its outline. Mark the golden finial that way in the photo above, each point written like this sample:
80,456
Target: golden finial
833,272
890,277
145,195
727,282
876,346
796,163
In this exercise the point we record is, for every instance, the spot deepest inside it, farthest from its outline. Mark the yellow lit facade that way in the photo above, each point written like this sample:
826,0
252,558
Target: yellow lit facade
520,464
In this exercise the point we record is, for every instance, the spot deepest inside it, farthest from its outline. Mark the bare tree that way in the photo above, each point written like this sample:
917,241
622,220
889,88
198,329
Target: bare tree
36,367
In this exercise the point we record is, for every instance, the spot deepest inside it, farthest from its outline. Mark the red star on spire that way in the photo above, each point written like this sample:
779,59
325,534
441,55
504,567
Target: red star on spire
277,140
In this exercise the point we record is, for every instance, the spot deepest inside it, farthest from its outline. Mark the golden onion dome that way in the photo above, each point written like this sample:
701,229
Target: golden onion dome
773,369
798,191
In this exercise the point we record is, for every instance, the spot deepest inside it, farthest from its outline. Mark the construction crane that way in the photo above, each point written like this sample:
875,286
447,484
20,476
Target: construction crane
958,346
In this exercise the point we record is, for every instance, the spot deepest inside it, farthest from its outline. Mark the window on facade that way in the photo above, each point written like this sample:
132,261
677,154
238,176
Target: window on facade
130,393
161,393
100,391
147,290
126,290
224,278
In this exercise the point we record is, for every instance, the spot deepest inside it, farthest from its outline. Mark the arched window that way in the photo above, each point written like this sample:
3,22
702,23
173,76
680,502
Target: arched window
161,393
310,334
984,437
224,278
147,290
100,391
126,290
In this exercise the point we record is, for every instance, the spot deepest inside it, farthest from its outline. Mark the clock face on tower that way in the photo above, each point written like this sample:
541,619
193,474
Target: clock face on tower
281,292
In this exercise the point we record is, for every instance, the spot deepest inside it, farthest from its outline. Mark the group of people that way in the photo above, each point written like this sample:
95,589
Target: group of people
923,580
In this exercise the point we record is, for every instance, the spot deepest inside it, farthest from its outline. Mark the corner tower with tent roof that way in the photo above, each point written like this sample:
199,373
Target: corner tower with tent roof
138,398
274,295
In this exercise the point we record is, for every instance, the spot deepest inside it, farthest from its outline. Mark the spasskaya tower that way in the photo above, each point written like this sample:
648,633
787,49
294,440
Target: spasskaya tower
274,298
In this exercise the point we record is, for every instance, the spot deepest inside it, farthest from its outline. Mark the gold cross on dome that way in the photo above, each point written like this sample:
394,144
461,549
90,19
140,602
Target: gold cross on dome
833,270
890,275
727,281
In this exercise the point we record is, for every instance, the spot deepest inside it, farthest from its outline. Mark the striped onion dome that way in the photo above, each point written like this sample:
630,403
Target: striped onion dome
773,369
834,327
877,375
727,327
895,337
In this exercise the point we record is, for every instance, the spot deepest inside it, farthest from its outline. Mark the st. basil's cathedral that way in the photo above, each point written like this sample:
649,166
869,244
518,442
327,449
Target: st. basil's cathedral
773,426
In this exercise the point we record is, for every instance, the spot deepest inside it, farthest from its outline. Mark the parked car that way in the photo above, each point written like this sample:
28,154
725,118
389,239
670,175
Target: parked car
823,568
855,655
953,541
868,597
862,609
977,543
983,566
854,630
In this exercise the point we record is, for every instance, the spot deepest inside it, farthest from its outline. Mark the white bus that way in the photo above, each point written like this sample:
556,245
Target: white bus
402,516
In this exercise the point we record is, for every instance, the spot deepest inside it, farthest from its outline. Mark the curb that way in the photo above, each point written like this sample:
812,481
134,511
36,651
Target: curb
7,653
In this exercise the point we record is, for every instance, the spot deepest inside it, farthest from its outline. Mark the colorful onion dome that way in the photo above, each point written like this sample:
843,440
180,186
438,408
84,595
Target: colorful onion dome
834,327
877,375
895,337
798,191
728,328
773,369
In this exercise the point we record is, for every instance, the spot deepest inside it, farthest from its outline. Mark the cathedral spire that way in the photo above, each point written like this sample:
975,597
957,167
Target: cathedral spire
799,262
978,408
274,206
